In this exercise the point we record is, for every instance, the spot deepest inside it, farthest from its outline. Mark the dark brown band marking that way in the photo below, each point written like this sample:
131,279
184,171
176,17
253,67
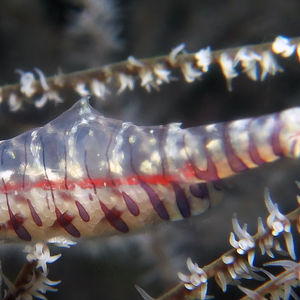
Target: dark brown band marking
25,161
253,152
47,200
161,142
65,221
218,184
131,205
82,212
45,170
211,171
36,218
114,219
20,230
112,215
111,138
88,173
66,165
235,163
16,222
199,190
181,200
157,204
275,137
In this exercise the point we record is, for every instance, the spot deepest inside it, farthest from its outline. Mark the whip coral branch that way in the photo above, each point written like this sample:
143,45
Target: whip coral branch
32,280
150,72
279,286
237,263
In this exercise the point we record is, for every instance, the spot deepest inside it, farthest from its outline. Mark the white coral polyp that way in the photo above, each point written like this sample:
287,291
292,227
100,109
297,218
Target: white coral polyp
282,46
48,96
27,83
125,81
228,68
134,62
163,74
174,53
276,221
203,58
189,72
242,246
248,61
43,80
40,253
245,241
269,65
14,102
38,286
147,79
81,89
197,277
245,245
99,88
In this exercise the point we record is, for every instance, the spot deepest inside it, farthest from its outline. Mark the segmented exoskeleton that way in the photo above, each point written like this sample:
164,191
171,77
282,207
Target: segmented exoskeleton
84,175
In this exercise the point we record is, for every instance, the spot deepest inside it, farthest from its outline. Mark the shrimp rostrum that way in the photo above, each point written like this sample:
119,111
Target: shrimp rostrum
86,175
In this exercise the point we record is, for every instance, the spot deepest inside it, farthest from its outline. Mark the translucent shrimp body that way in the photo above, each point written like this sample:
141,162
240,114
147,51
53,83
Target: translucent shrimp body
86,175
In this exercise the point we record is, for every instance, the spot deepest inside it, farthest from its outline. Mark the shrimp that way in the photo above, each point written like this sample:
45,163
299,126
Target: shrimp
84,175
